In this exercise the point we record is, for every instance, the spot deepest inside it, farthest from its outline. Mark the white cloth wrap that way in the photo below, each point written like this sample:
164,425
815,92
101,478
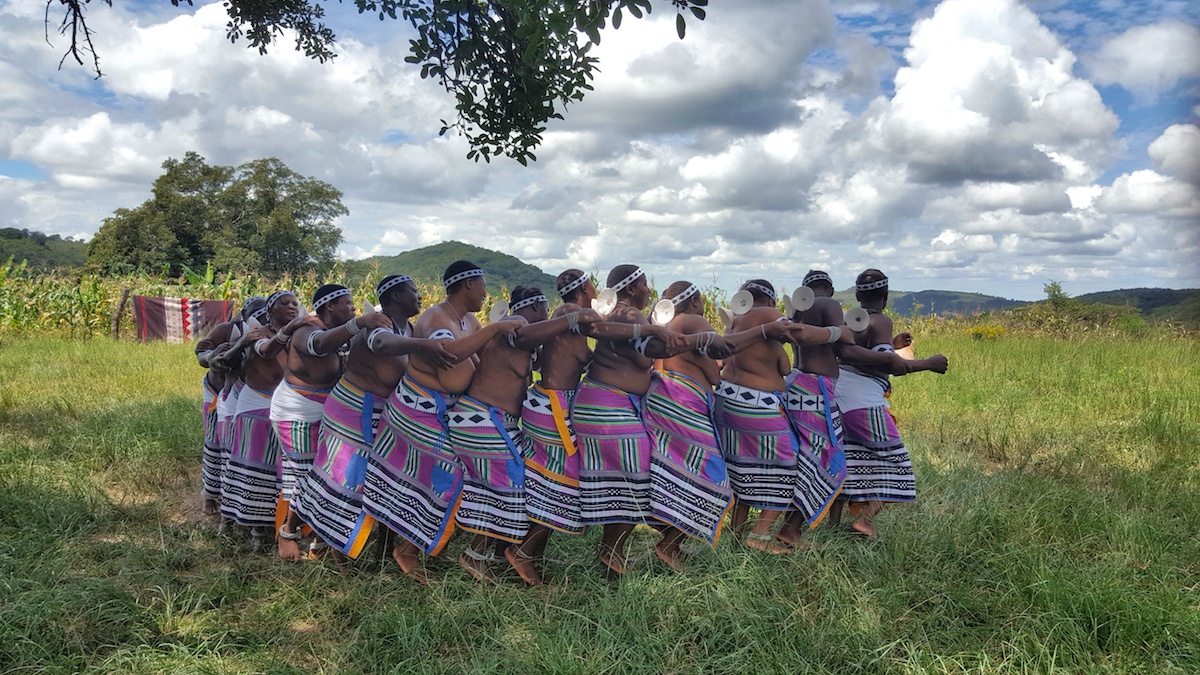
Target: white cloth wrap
251,400
226,405
855,392
287,405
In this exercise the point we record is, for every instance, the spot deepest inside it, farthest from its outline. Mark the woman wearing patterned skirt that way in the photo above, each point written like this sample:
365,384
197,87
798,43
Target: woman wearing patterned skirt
329,497
879,469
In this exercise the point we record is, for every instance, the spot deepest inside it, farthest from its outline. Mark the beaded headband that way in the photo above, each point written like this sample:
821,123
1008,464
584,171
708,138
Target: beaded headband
246,305
389,283
329,297
687,293
258,315
571,286
465,274
815,277
770,293
633,276
274,297
522,304
873,285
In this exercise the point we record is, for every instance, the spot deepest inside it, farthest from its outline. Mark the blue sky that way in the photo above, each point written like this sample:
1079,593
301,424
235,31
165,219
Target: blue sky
977,145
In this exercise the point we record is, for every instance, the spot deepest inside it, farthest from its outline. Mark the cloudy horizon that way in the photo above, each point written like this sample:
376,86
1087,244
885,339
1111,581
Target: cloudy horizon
972,145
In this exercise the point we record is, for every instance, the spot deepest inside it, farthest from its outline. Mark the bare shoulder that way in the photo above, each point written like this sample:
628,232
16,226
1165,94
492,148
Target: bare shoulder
564,309
881,329
627,314
759,315
829,310
689,324
432,319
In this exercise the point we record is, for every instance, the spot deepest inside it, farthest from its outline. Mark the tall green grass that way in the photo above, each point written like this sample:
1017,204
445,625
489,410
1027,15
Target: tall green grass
1056,532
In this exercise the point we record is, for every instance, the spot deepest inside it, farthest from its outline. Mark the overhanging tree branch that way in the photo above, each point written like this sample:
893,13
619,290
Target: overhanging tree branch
512,65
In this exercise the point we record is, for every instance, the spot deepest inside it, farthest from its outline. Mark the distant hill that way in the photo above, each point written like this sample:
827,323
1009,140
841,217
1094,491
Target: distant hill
1154,303
41,251
428,263
937,302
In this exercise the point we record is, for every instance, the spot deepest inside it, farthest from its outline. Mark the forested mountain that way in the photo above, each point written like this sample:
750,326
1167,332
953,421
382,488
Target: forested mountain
503,270
924,303
40,250
1154,303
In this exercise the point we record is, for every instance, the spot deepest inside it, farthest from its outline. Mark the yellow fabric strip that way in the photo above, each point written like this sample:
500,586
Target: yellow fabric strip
360,541
560,422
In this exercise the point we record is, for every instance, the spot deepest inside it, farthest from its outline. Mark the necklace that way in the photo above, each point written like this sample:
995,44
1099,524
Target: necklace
461,321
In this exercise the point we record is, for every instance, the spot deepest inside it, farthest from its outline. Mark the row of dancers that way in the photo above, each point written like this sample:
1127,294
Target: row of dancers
319,426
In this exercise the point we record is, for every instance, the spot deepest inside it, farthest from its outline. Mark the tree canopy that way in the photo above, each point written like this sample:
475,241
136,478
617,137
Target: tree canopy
260,216
512,65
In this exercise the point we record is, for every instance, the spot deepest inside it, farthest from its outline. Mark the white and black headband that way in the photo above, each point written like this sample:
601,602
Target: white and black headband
768,292
465,274
633,276
571,286
687,293
329,297
276,296
872,285
522,304
390,283
814,277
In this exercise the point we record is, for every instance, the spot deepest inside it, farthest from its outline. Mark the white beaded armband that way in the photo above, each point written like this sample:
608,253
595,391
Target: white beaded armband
312,348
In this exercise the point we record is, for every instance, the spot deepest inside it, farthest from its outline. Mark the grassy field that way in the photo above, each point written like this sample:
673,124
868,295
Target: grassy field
1057,531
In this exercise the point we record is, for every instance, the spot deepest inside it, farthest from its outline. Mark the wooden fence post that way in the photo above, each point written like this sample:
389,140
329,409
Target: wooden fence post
116,317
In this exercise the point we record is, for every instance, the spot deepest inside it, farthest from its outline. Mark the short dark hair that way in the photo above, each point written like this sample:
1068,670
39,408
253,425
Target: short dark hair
324,291
523,292
390,288
758,292
823,279
679,287
566,278
619,272
458,267
870,276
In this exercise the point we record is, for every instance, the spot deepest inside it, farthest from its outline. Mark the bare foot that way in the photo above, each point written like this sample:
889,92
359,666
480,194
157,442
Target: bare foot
798,545
524,566
477,567
614,562
670,555
411,565
864,527
788,535
793,540
765,543
289,549
210,507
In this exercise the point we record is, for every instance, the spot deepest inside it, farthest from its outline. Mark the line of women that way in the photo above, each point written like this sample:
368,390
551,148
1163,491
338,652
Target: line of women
414,424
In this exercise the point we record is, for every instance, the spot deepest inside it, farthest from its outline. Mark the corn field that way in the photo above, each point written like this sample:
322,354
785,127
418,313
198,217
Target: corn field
81,307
